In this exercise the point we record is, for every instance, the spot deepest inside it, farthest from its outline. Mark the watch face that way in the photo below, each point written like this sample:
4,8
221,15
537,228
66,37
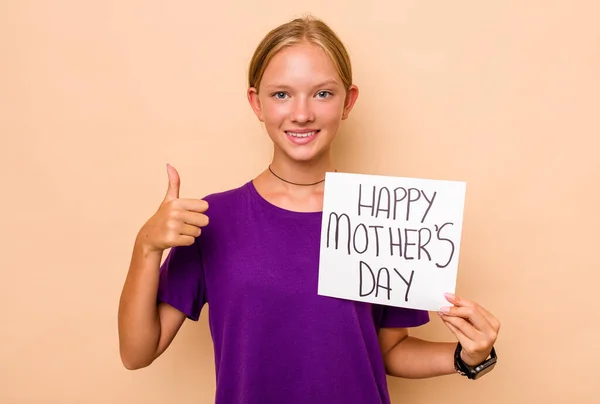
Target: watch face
484,369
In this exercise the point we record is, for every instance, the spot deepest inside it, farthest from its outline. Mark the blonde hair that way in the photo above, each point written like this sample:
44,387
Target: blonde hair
305,29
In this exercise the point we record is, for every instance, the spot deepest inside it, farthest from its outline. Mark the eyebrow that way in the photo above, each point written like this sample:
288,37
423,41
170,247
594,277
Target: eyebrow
321,84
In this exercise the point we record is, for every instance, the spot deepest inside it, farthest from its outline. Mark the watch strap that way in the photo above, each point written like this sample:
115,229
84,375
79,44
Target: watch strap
473,372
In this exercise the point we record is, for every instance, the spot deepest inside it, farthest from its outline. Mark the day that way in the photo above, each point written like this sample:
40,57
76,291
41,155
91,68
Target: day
371,281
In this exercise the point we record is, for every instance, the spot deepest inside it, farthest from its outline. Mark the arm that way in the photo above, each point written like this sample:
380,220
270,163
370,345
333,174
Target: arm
413,358
409,357
145,329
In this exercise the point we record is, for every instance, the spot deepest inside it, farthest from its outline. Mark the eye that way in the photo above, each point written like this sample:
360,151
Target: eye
324,94
280,95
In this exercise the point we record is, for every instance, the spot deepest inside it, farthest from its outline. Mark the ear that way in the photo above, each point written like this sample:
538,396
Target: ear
255,102
351,96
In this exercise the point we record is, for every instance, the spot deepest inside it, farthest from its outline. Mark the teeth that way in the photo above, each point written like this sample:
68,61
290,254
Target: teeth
307,134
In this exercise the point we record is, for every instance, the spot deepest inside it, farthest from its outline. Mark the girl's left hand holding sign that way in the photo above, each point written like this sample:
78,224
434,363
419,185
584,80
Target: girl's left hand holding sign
475,328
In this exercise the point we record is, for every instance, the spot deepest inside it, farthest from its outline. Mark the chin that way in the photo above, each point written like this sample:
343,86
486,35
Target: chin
306,155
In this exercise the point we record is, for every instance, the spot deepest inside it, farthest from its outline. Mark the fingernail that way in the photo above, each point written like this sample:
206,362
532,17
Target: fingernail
449,296
445,309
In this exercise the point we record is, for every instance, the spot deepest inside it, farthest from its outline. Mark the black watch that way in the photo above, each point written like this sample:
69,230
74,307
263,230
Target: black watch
475,372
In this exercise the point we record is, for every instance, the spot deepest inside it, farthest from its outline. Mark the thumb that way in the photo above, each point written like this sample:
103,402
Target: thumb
174,181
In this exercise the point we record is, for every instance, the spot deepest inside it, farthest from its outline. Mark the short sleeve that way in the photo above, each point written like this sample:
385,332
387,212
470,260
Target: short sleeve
181,281
399,317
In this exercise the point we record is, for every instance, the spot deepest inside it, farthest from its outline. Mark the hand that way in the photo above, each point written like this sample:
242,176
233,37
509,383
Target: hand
475,328
177,222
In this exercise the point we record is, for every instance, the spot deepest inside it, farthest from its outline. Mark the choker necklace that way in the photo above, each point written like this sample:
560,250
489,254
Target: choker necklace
295,183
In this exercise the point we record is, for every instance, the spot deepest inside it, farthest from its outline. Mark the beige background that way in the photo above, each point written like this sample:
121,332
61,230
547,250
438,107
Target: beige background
96,96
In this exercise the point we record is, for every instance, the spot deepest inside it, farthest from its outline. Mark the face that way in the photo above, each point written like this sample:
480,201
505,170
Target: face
302,101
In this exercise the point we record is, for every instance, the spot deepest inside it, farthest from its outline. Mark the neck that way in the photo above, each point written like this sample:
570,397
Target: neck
300,174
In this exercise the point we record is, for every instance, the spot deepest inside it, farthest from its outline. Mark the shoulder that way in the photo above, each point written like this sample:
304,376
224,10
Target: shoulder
224,207
228,197
228,213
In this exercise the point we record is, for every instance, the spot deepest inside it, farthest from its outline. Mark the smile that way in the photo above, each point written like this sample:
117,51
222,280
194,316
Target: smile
302,134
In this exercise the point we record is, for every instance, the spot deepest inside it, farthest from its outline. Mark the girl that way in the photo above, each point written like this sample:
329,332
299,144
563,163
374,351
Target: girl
256,262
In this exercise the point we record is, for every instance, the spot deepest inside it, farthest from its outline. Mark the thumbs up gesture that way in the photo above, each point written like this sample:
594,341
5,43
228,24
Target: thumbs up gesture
177,222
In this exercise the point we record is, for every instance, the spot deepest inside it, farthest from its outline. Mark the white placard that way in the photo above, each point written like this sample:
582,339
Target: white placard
390,240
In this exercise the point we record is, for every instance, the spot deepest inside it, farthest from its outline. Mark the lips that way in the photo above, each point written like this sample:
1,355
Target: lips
303,136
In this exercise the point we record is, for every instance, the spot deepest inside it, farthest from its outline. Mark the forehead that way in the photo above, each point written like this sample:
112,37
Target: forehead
300,64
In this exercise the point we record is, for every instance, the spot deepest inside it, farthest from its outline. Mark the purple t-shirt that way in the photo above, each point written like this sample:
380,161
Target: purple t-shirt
275,339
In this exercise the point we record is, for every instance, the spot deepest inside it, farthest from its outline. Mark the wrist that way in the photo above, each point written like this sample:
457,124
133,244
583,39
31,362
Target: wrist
476,370
146,249
472,361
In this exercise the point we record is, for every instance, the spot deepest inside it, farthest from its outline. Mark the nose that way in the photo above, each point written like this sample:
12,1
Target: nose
302,111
